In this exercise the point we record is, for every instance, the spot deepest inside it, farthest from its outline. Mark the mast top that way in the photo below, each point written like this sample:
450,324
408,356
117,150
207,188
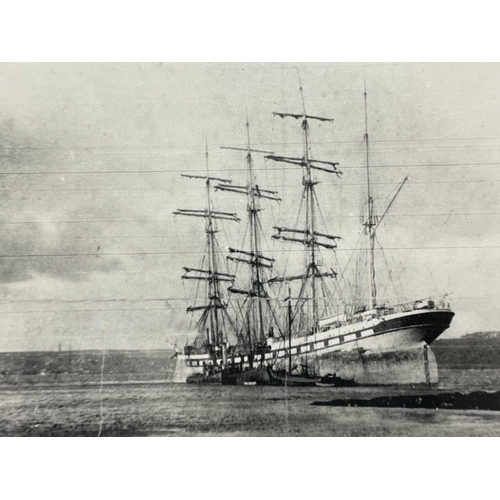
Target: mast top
248,149
304,116
366,112
370,222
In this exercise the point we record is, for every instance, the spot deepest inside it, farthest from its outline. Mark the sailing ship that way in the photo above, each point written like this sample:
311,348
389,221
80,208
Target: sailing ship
332,333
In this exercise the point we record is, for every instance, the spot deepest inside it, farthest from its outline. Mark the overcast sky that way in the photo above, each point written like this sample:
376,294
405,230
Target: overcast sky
437,123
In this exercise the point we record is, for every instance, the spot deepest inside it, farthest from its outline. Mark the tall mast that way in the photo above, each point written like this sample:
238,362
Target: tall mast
309,191
253,209
256,292
370,221
213,291
308,236
212,276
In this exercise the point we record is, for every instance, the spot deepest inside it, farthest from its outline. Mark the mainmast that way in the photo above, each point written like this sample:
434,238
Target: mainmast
211,275
309,233
309,192
253,257
370,222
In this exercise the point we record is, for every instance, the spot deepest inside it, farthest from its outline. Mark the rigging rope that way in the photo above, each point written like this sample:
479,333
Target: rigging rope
399,299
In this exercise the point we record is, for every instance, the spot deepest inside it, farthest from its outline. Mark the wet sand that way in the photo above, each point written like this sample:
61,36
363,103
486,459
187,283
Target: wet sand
183,410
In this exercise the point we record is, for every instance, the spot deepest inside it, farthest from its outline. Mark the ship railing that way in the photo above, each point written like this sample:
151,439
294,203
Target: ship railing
435,302
414,305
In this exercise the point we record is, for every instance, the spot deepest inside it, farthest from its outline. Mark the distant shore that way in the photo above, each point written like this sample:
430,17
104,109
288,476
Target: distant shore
473,360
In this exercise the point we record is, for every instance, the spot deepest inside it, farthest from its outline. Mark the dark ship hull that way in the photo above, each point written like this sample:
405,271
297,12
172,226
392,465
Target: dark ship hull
251,376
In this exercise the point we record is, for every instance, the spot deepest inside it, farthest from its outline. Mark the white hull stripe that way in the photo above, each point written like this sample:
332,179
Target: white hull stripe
310,348
324,345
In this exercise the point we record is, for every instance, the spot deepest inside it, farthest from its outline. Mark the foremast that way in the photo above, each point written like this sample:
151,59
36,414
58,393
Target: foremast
308,236
214,308
254,316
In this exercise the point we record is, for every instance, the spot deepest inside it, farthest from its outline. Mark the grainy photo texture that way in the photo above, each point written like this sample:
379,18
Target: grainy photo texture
258,249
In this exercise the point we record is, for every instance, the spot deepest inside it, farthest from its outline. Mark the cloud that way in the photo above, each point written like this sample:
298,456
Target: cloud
38,235
41,245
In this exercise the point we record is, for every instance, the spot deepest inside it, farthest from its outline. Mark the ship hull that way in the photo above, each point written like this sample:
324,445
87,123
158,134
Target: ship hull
409,366
388,350
397,353
256,376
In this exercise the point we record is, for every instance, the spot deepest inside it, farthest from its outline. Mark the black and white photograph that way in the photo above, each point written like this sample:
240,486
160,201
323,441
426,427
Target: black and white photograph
249,249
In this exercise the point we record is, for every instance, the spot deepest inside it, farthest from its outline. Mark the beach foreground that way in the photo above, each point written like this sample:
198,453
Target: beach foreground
167,409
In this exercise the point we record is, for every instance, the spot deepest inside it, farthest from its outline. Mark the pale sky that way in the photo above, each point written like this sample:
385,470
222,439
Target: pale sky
437,123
